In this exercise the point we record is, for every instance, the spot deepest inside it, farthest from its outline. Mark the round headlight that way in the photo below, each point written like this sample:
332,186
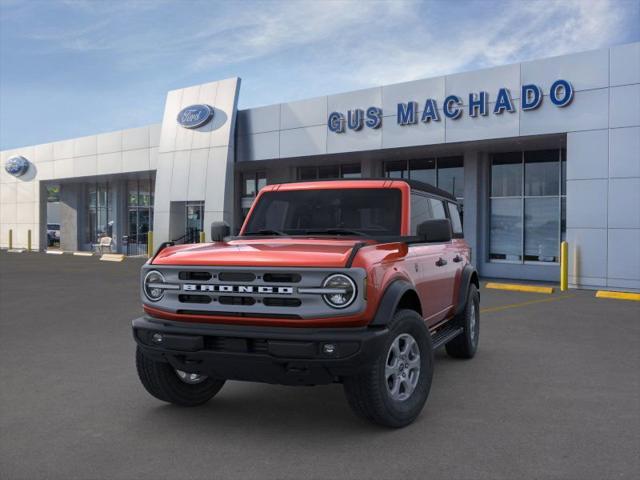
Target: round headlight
345,291
152,292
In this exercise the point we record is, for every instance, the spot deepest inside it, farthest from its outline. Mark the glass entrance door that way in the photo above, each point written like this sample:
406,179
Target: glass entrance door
194,221
140,215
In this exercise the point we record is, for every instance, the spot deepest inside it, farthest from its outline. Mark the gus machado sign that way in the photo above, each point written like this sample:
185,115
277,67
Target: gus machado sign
560,95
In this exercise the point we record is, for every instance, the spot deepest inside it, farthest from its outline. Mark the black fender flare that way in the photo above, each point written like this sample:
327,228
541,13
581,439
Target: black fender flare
469,276
390,300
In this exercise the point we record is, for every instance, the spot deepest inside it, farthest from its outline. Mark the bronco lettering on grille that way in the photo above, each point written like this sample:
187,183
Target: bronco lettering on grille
192,287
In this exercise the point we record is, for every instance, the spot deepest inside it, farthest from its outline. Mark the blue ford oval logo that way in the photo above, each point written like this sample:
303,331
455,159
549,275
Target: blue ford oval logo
17,166
195,116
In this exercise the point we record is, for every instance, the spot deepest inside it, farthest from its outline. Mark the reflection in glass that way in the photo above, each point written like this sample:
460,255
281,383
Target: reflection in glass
506,175
541,223
451,175
541,173
506,229
423,170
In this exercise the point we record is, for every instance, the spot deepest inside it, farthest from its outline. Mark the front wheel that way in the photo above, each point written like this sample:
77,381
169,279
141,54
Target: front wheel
175,386
393,389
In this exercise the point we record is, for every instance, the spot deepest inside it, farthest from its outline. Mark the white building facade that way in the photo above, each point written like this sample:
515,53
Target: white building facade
536,152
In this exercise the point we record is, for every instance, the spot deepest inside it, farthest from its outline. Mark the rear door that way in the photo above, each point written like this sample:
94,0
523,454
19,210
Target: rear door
433,275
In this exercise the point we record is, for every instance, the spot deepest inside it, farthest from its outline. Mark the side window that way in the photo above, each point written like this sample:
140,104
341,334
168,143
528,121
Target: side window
421,211
456,223
437,209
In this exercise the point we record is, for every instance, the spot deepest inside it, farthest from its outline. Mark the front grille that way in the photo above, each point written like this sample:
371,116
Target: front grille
237,277
282,302
194,298
282,277
236,300
195,276
269,292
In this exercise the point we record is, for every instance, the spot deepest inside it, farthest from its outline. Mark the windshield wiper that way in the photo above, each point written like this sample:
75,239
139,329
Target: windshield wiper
266,232
335,231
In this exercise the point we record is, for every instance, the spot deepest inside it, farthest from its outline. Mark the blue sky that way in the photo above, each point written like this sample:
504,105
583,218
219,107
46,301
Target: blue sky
78,67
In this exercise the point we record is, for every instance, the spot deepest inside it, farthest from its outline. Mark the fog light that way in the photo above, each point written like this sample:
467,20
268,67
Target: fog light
329,348
156,338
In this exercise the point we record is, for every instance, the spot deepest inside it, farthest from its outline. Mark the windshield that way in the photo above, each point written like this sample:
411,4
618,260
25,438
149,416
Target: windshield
360,212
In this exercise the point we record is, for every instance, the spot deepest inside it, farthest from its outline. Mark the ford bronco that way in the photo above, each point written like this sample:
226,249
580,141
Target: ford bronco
349,281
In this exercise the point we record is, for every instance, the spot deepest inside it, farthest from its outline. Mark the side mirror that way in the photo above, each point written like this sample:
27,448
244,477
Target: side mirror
219,230
435,230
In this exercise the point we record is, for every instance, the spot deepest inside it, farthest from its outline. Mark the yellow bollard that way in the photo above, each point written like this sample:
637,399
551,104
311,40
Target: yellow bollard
564,266
149,244
28,240
10,239
201,236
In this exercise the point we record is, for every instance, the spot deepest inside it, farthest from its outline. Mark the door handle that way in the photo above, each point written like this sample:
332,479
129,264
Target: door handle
441,262
457,258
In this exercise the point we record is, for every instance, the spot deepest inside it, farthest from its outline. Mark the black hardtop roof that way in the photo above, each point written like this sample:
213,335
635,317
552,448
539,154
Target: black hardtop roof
414,184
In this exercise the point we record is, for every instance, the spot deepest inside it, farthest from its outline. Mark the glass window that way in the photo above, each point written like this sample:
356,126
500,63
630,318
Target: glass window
451,175
541,173
374,212
437,209
541,226
423,170
506,229
529,225
454,215
506,175
421,210
328,172
252,182
351,171
397,169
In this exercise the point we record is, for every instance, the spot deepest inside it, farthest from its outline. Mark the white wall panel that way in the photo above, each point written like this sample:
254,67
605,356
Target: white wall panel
468,128
588,154
587,203
585,71
135,160
110,163
259,146
135,138
587,249
625,106
110,142
43,153
85,146
417,90
624,203
63,168
624,152
588,111
489,80
624,254
305,113
85,166
197,174
625,64
394,135
258,120
63,149
303,141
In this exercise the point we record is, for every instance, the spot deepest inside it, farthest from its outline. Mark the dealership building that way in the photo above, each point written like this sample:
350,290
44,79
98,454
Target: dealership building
536,152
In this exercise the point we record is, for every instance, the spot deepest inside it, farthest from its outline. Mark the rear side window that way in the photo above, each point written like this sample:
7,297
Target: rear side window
424,208
454,215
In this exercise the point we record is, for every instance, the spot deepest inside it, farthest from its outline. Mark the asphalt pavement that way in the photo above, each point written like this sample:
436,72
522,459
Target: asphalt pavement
554,392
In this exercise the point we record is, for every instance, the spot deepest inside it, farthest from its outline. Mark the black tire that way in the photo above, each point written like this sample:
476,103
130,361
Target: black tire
465,345
368,393
161,380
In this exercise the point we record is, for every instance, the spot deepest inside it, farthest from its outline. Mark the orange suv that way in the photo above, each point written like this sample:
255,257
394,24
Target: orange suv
348,281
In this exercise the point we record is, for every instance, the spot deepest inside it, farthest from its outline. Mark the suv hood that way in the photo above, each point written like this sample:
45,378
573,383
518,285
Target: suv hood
273,252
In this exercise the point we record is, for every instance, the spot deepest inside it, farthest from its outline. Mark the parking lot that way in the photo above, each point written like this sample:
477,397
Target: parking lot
554,392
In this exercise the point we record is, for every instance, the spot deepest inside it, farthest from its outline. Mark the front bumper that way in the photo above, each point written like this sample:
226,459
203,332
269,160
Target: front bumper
288,356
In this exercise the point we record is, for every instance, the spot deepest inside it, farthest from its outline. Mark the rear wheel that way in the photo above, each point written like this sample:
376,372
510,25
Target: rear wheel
393,389
168,384
465,345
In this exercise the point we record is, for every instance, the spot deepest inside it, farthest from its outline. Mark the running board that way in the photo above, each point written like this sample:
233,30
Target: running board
445,335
